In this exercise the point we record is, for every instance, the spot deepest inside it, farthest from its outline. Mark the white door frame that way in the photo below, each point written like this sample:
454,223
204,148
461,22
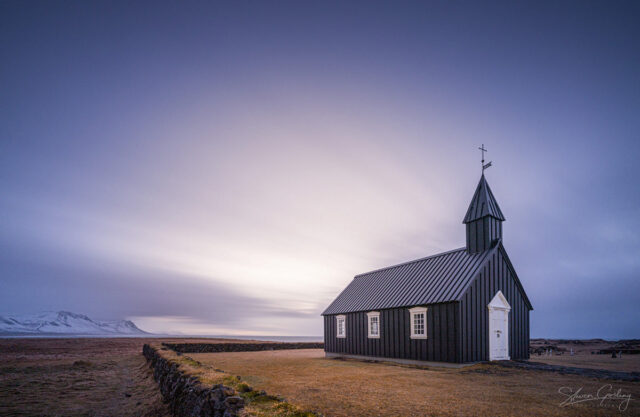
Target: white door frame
499,303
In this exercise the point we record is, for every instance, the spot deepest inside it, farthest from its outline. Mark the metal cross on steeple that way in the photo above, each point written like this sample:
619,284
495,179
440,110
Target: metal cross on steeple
483,165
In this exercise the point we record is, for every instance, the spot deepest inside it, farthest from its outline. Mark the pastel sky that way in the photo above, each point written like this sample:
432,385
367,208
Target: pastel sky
227,168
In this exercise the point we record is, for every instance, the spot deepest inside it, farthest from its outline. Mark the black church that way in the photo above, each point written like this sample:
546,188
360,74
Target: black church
465,305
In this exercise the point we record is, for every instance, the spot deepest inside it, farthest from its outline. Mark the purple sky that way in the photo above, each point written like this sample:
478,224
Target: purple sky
222,169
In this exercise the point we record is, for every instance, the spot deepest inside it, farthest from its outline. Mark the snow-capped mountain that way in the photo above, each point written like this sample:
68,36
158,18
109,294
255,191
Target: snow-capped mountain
65,323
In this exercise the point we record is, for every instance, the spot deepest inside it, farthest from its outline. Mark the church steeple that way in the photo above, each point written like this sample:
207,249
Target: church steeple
483,219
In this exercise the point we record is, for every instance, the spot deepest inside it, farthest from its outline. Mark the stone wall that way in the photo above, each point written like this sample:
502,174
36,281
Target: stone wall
237,347
186,396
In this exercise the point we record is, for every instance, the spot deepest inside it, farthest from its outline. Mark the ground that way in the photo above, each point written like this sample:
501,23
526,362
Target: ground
583,356
628,363
108,377
343,388
77,377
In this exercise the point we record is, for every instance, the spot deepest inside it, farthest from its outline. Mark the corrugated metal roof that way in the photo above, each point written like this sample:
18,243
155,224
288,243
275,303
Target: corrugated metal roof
435,279
483,204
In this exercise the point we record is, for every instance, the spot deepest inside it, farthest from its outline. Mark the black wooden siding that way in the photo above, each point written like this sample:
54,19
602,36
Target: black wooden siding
457,331
482,233
457,286
442,343
494,276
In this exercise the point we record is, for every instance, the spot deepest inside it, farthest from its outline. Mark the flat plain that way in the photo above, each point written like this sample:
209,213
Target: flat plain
345,388
584,356
78,377
110,377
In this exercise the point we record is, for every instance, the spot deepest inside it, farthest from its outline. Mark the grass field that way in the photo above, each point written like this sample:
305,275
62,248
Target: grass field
354,388
583,357
109,377
627,363
78,377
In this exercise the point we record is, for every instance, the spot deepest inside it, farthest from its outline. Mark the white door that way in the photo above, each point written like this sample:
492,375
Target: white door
498,328
498,336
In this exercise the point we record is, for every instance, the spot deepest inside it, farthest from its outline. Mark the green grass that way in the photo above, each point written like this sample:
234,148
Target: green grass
189,361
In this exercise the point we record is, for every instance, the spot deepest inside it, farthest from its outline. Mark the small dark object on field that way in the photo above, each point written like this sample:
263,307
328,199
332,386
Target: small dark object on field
244,387
235,401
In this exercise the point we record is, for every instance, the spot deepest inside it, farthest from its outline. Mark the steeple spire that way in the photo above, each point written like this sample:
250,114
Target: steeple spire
483,203
483,219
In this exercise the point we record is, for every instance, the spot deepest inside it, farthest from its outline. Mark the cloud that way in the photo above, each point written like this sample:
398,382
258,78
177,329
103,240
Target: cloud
50,280
239,182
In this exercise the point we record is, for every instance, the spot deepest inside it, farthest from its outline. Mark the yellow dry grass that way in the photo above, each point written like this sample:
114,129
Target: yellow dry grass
346,388
256,404
109,377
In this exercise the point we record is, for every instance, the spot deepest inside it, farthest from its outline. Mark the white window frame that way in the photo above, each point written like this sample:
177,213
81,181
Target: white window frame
412,313
344,326
370,316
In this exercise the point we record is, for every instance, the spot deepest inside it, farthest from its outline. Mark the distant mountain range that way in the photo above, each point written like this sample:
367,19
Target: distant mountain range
65,323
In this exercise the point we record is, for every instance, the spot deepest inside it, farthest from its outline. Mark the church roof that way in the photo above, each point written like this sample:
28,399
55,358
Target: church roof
483,204
435,279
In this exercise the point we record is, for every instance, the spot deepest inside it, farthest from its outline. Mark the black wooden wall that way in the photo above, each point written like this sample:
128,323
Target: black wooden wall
481,233
495,275
442,343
